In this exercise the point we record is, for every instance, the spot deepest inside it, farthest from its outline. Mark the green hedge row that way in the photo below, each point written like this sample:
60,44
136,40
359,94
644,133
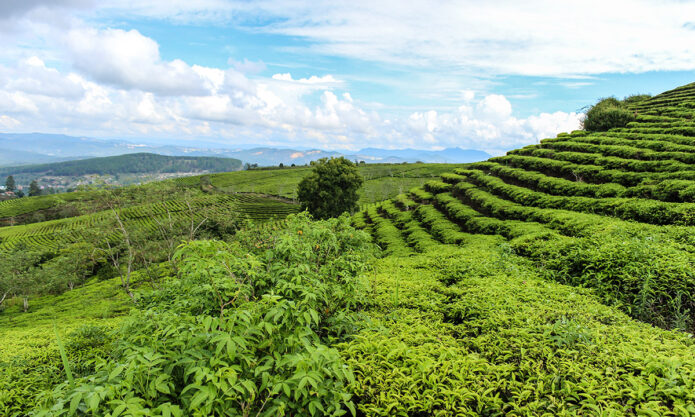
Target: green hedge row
473,221
420,195
554,164
628,133
626,152
436,187
641,210
404,202
440,226
415,235
645,168
667,190
386,235
651,144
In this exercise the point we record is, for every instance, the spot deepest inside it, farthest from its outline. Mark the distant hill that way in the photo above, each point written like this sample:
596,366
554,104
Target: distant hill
449,155
32,148
136,163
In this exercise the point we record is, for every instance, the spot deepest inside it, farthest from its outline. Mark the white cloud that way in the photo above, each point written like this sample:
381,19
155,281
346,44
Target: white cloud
238,108
536,37
489,126
102,81
7,122
129,60
246,66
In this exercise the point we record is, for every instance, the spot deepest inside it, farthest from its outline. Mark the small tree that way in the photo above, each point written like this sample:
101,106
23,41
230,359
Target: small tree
331,188
34,189
18,274
10,185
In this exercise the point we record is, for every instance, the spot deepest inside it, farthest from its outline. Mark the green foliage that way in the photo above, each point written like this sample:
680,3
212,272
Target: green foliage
331,188
30,359
477,332
244,331
608,113
636,98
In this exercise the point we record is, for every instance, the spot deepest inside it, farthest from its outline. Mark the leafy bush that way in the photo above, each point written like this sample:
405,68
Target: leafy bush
244,331
607,114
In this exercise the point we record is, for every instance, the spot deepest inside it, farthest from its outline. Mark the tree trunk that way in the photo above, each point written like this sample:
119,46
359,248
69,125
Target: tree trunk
2,300
26,304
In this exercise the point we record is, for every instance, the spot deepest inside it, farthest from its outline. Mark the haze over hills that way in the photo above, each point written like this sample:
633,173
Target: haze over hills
31,148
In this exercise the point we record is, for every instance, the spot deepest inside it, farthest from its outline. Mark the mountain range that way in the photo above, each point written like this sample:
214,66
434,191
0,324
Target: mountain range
32,148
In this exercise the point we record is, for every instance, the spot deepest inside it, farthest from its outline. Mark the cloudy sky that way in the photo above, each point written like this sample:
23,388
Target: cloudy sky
341,75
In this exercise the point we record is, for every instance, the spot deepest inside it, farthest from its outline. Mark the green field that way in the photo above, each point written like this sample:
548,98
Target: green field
557,280
382,181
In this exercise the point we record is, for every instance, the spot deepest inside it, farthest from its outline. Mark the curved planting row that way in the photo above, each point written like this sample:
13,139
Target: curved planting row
51,234
666,190
613,211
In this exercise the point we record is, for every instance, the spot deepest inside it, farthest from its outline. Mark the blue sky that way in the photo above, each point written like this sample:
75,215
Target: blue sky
333,75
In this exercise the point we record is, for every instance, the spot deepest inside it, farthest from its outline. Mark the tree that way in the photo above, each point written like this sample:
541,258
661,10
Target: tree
331,188
10,184
34,189
70,268
18,274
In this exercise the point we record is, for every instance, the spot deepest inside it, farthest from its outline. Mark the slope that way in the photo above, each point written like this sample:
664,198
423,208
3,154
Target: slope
613,211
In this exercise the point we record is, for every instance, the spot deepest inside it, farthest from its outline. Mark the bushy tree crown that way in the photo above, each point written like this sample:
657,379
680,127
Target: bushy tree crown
331,188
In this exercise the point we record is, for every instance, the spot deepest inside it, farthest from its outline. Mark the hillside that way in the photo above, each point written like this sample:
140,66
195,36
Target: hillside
558,279
584,207
128,164
382,181
119,170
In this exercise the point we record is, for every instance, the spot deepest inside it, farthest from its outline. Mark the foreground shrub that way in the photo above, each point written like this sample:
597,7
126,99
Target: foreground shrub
244,331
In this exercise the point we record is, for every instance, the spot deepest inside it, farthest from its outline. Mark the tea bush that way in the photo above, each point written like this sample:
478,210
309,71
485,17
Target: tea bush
474,331
608,113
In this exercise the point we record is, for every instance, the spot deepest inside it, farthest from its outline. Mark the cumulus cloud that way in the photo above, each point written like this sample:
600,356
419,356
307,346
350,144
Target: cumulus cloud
129,60
489,126
36,96
33,77
108,81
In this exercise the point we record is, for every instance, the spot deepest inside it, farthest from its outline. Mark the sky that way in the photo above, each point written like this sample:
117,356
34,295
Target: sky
335,75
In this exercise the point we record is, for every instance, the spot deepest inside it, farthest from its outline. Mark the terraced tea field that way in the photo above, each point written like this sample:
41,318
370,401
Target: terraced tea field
54,233
535,283
583,207
381,181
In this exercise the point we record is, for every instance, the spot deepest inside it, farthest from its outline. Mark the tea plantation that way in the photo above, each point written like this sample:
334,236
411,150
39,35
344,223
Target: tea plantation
557,280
